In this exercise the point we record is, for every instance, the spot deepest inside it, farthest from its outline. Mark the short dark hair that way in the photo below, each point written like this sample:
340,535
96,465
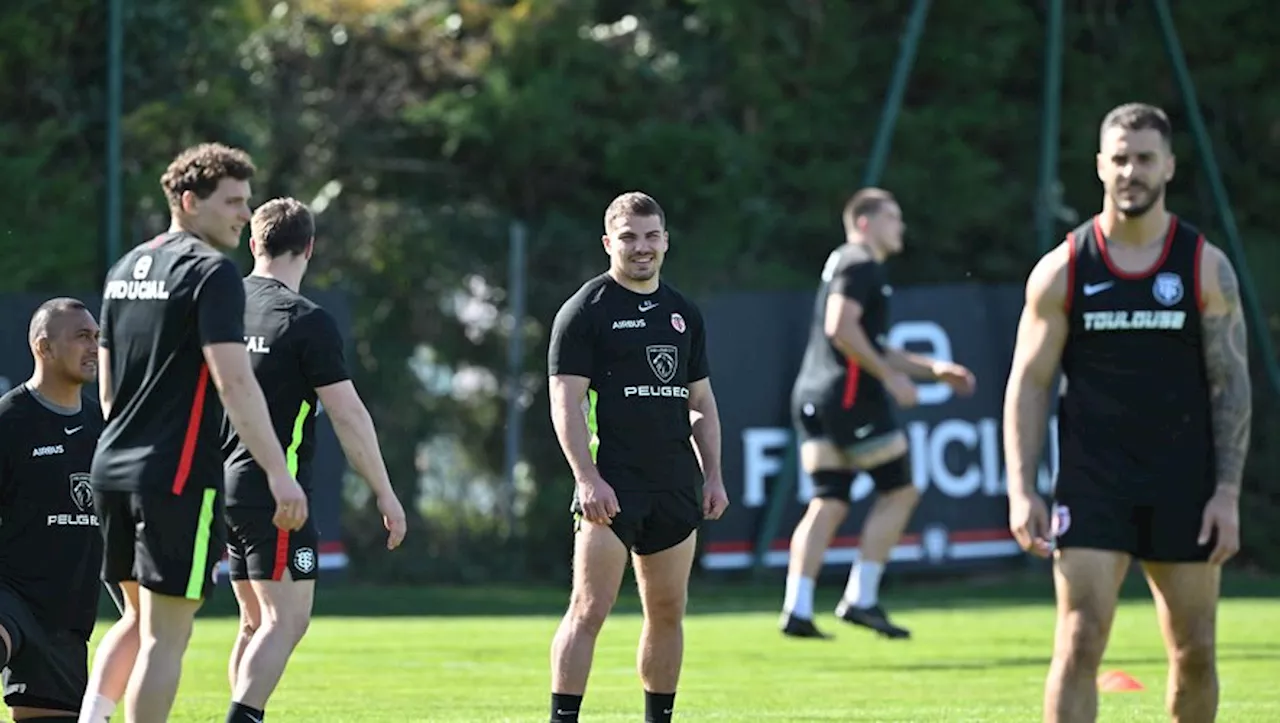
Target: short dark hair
48,311
200,168
633,203
282,226
1137,117
866,202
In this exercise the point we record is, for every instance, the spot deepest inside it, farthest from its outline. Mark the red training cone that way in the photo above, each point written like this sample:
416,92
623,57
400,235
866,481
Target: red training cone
1117,681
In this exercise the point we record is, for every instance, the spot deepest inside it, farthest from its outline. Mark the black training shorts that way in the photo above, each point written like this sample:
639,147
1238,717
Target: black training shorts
258,550
845,427
1164,531
49,668
651,521
170,544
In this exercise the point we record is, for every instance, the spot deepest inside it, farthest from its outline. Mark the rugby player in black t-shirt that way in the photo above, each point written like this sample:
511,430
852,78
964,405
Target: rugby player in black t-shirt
50,547
1143,317
842,405
172,355
630,387
297,356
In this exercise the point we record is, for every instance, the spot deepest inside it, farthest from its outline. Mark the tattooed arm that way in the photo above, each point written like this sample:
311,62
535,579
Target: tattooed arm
1226,357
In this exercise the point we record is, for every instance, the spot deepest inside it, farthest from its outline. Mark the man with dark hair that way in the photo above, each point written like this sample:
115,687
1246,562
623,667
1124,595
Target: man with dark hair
172,332
50,547
297,357
845,421
630,385
1153,424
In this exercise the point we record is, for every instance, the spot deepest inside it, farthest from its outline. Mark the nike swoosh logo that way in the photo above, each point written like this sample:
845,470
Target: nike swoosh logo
72,430
647,306
1091,289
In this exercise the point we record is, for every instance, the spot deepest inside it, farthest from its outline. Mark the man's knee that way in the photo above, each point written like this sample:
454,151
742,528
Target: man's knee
1082,638
1194,649
665,607
292,620
588,608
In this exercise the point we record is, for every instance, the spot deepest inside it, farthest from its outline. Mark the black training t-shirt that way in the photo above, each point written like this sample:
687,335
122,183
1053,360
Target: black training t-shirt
826,374
163,302
50,544
295,348
641,353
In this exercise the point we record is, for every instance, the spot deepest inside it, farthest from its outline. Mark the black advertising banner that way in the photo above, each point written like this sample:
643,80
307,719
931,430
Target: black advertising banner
16,366
756,342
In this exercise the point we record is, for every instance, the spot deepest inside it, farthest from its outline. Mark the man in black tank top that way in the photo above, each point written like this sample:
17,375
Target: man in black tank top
843,404
1143,316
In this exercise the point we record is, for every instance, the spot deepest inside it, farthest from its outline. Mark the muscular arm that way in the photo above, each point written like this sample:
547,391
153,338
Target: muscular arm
706,428
1042,333
841,324
913,365
242,398
1226,357
354,428
567,394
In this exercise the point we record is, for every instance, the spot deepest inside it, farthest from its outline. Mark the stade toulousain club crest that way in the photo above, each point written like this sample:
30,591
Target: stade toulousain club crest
677,321
1167,288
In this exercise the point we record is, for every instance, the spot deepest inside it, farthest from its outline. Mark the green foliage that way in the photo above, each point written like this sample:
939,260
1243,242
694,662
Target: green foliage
420,131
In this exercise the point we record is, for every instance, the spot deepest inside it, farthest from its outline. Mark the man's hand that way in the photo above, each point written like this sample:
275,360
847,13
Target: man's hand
901,388
291,502
598,501
1029,523
715,500
1222,513
392,518
955,376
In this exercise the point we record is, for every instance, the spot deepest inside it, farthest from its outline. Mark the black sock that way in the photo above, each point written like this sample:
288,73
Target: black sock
565,707
658,707
241,713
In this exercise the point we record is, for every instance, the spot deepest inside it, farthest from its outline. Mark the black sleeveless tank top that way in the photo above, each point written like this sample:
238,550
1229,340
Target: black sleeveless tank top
1134,421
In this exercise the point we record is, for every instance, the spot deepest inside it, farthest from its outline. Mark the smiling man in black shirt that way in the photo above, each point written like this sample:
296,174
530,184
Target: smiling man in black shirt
630,387
50,547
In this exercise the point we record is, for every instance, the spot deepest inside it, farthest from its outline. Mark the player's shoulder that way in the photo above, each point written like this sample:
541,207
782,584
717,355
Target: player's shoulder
679,300
15,402
313,317
1050,277
590,295
851,255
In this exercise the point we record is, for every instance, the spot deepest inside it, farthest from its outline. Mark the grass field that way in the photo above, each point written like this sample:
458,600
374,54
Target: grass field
480,654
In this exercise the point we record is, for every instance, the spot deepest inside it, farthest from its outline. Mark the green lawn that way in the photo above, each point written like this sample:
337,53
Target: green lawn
979,654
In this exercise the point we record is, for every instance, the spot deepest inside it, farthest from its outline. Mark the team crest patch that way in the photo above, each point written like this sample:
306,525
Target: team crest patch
1167,288
663,360
304,560
677,321
1061,521
82,492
